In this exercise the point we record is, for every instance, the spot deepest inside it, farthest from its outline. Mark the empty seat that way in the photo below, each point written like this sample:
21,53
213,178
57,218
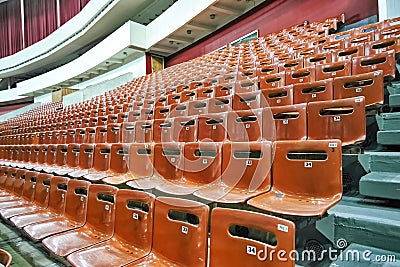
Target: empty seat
5,258
220,104
101,134
101,162
182,221
41,186
128,132
245,173
348,53
85,161
332,70
133,233
384,61
249,238
212,127
313,91
201,167
272,80
245,101
73,217
281,96
285,123
370,85
336,119
188,96
198,107
72,160
114,133
163,130
144,131
99,224
185,129
162,112
300,75
13,188
55,208
297,188
245,125
117,172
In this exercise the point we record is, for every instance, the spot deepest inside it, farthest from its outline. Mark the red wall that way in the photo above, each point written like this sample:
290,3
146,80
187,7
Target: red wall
6,109
273,16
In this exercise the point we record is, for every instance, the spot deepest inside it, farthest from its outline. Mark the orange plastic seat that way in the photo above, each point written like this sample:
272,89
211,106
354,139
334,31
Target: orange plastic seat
100,135
134,116
146,114
187,96
245,125
72,160
99,226
245,101
300,75
80,135
318,58
276,97
212,127
335,120
74,215
128,132
220,104
183,221
201,168
13,187
332,70
163,130
245,173
313,91
370,85
307,178
144,131
384,61
179,109
132,237
251,237
198,107
85,161
274,80
55,208
118,170
40,202
185,129
101,162
347,53
162,112
5,258
285,123
19,197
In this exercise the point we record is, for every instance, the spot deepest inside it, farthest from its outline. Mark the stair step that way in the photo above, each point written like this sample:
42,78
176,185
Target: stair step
388,121
366,256
364,223
381,184
394,100
380,161
389,137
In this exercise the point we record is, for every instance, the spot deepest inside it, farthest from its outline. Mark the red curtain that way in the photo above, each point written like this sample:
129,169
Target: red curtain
40,19
68,9
83,3
10,28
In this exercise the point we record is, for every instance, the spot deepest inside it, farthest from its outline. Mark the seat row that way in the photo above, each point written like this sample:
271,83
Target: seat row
100,225
229,172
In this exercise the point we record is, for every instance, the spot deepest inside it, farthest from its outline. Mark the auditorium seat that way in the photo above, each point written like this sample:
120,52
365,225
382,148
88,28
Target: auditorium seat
245,238
212,127
332,70
163,130
220,104
186,223
201,168
300,75
114,133
370,85
101,163
132,237
285,123
336,119
85,161
40,200
297,188
5,258
245,101
72,160
384,61
276,97
143,131
55,208
13,187
245,173
245,125
128,132
313,91
274,80
74,215
185,129
100,135
197,107
99,226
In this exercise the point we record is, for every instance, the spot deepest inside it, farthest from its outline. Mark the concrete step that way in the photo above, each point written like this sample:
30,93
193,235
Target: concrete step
380,161
363,221
388,121
366,256
394,100
381,184
389,137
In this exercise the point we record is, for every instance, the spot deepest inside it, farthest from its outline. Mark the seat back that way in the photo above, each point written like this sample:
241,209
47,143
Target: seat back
101,157
19,182
185,222
198,107
384,61
299,166
163,130
76,200
101,134
58,190
119,156
332,70
168,160
220,104
245,101
202,162
5,258
285,123
42,155
51,154
185,129
61,154
245,125
134,209
86,156
313,91
9,183
247,165
141,160
251,237
128,132
213,127
335,120
42,189
101,208
29,189
144,131
73,154
276,96
300,75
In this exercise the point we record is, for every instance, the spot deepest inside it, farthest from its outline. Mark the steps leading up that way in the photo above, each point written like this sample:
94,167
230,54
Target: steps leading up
389,137
381,184
366,222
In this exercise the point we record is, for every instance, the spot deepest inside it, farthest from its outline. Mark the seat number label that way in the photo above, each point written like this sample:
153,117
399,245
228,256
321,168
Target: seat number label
249,162
285,122
358,90
283,228
135,216
251,250
336,118
185,229
308,164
